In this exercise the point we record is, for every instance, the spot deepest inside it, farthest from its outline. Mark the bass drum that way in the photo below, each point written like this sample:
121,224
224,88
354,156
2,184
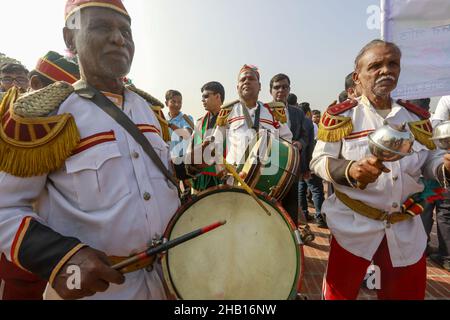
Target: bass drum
253,257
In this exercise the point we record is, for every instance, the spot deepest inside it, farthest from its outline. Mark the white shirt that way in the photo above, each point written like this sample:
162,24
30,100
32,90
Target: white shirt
442,112
356,233
238,134
316,130
110,196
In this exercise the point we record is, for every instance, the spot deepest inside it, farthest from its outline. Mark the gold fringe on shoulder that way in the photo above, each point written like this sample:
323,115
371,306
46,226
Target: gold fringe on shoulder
423,132
222,118
334,128
42,152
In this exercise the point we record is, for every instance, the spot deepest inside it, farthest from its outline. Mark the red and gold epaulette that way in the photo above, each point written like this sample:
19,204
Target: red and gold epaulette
423,132
36,145
422,129
337,109
225,110
165,133
334,128
418,111
278,111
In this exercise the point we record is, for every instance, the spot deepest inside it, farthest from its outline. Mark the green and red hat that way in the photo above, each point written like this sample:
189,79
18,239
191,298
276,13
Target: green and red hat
57,68
251,68
73,6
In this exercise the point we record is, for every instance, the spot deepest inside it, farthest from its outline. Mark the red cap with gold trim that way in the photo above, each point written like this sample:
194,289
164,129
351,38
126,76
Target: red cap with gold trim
73,6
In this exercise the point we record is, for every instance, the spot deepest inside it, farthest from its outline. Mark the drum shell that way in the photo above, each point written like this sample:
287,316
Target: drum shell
276,185
171,287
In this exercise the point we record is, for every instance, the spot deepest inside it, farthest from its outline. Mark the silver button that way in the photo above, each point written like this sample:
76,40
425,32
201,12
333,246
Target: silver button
135,155
395,205
147,196
395,178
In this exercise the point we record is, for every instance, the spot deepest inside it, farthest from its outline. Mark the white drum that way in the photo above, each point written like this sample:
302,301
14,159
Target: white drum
253,257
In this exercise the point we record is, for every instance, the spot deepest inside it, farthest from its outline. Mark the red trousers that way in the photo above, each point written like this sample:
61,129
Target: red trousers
346,272
16,284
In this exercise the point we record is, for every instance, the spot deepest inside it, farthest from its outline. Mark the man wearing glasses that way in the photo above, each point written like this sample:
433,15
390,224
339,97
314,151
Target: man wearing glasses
13,74
280,87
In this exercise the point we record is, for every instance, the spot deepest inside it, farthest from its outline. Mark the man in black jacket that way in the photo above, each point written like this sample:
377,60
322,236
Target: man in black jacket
311,181
280,87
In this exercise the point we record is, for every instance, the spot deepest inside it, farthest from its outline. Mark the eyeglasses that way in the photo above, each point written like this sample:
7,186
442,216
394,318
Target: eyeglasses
283,87
207,95
10,80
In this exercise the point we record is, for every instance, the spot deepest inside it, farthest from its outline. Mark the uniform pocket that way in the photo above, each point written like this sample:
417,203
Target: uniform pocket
98,176
355,149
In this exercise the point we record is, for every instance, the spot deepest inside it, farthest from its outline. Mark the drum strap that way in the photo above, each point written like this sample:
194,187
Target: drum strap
84,90
248,119
251,125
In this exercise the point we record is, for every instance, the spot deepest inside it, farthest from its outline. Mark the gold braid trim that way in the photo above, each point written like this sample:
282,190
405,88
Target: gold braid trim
7,99
42,102
421,131
2,95
165,133
41,154
278,111
222,118
334,128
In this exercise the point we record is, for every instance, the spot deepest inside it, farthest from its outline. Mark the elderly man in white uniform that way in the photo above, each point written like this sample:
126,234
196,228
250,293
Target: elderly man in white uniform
76,189
377,223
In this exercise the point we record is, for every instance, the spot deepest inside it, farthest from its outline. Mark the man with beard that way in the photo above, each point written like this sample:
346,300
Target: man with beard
382,222
78,192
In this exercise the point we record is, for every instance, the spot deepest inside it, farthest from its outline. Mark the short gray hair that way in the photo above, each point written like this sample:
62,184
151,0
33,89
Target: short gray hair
372,44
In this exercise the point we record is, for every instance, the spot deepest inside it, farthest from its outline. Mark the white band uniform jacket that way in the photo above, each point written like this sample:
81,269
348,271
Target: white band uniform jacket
237,130
109,194
356,233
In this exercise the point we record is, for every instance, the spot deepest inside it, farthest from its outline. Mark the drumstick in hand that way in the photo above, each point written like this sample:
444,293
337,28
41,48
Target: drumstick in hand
249,190
167,246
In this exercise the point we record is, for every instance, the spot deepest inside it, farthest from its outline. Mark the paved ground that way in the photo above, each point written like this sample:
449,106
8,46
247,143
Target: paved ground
316,256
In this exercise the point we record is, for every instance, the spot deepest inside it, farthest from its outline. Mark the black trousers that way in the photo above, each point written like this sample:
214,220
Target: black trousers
290,202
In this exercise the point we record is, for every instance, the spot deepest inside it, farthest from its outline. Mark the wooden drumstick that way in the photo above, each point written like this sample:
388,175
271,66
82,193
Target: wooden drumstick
166,246
249,190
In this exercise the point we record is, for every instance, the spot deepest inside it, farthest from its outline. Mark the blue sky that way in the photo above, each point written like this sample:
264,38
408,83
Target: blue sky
182,44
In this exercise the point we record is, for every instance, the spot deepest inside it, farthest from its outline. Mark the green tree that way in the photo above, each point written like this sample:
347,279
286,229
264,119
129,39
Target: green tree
6,59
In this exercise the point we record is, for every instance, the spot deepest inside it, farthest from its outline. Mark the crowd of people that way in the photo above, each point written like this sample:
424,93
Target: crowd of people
79,187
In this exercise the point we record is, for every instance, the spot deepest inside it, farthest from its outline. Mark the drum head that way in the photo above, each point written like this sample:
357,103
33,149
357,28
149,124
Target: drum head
253,257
